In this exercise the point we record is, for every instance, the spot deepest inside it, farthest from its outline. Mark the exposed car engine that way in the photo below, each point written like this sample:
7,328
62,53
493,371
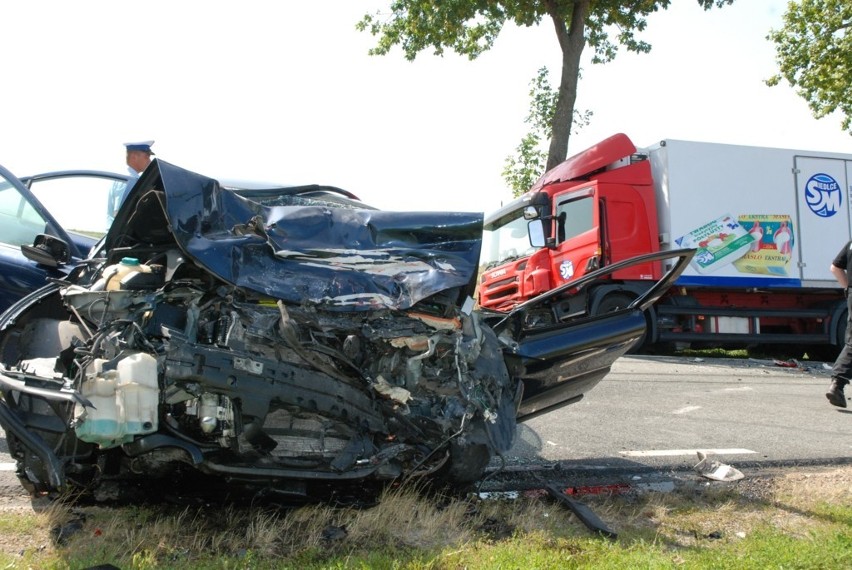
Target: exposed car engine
171,368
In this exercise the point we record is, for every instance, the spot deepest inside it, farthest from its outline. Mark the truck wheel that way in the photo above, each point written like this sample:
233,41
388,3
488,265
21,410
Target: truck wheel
830,352
615,302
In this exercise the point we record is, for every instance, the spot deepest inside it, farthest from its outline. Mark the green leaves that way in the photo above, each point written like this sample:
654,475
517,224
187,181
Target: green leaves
814,54
522,169
468,27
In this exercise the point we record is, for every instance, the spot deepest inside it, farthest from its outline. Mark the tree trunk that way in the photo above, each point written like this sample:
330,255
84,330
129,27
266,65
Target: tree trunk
571,41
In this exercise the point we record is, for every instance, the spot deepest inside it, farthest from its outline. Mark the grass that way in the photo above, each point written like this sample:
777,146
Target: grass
713,353
776,352
796,520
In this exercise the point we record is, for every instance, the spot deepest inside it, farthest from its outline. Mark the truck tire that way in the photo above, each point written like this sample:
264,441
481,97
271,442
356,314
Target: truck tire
830,352
615,302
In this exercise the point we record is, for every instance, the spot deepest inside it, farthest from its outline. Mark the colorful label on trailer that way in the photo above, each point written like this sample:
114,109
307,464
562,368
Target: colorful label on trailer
772,250
719,243
753,244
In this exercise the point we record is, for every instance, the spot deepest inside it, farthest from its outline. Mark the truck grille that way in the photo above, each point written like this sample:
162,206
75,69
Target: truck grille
492,293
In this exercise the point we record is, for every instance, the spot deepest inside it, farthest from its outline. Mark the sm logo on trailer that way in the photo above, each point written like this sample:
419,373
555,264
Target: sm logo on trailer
823,196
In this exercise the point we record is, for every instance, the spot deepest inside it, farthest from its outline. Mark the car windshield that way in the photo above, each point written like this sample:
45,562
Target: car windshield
506,239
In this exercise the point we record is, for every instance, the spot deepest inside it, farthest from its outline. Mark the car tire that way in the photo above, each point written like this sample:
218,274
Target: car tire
466,464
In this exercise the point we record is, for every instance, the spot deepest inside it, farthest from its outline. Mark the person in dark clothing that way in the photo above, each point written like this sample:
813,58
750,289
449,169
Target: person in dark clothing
841,372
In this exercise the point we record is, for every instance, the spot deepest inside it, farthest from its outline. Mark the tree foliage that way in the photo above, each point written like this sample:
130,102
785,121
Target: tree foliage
814,54
524,168
470,27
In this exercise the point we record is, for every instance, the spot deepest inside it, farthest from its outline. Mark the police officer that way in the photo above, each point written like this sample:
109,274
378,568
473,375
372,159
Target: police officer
841,372
138,158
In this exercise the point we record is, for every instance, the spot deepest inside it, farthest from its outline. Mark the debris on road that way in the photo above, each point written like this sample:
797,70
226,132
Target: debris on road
716,470
586,515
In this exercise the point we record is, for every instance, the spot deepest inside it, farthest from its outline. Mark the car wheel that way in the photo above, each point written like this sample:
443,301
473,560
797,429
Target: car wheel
467,463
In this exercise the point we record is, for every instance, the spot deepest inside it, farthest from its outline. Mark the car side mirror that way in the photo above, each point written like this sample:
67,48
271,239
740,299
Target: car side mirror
536,232
47,250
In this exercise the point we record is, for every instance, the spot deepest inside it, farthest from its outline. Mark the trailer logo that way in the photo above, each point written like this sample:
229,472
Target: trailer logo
566,269
822,193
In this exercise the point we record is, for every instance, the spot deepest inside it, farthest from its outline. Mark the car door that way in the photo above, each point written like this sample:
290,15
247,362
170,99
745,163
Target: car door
27,208
84,202
559,362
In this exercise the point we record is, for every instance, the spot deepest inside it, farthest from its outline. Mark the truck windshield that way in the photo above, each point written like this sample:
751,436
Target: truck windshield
505,239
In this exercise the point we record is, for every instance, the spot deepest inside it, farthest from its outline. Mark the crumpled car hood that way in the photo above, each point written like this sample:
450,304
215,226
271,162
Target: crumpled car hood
349,258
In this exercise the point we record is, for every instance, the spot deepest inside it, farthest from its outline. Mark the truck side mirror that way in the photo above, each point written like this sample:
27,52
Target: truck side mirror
530,213
535,228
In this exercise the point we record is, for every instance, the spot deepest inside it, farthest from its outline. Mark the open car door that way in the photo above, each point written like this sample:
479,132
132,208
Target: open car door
560,362
39,209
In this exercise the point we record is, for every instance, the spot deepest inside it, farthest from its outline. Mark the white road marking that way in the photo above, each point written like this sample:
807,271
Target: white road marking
7,466
740,389
687,409
671,452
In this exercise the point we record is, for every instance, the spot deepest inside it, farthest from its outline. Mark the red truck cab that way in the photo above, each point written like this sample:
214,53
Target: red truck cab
595,209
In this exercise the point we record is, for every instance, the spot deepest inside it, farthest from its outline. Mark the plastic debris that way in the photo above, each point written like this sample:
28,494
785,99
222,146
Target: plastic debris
716,470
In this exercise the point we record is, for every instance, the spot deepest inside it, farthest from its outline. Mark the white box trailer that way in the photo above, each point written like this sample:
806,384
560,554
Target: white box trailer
762,217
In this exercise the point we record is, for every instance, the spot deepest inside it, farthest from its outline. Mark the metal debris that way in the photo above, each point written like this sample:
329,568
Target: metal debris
584,513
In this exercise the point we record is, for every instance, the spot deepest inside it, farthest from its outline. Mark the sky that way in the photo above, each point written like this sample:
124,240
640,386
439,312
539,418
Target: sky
284,91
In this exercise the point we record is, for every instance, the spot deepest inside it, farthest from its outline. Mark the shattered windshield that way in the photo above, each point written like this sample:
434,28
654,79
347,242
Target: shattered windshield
505,240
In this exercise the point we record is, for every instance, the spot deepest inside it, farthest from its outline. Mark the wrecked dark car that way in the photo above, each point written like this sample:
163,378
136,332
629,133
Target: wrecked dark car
283,341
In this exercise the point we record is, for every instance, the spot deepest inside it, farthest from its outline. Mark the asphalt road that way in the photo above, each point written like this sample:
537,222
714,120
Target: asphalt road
655,413
659,411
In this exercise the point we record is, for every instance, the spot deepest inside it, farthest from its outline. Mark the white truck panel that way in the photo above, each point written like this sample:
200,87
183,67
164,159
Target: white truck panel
759,217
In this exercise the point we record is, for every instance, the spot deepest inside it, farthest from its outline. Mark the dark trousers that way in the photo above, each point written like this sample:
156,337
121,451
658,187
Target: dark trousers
842,368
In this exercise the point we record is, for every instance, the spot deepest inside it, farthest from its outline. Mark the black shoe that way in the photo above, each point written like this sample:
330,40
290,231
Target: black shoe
835,394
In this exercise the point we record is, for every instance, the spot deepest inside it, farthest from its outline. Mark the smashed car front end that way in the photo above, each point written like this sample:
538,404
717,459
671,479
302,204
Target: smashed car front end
276,343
